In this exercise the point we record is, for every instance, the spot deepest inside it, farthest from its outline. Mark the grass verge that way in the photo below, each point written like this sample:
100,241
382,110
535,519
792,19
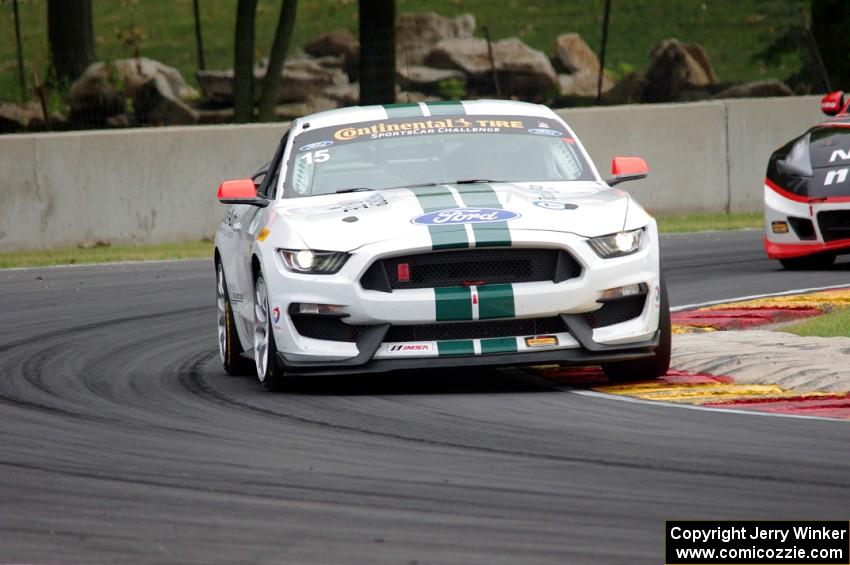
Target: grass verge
829,325
107,254
204,249
705,222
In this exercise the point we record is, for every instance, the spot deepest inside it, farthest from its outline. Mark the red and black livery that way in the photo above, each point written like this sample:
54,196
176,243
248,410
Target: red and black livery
807,193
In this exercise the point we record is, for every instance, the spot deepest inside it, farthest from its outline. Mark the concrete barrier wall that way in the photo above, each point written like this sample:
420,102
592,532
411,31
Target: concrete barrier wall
702,156
156,185
130,186
681,143
756,128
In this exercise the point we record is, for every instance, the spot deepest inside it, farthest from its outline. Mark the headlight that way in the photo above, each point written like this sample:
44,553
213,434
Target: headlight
313,262
617,244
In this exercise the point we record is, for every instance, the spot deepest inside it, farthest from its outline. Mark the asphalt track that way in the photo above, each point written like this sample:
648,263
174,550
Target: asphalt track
122,441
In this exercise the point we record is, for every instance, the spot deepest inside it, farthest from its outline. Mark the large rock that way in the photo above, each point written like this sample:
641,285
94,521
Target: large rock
302,79
756,89
283,112
94,97
337,45
16,118
339,42
216,86
426,79
344,94
583,84
286,112
139,71
156,103
522,70
573,56
628,90
700,55
405,97
331,61
417,33
674,69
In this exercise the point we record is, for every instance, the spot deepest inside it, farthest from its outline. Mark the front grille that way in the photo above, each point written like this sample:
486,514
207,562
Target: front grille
616,311
322,327
334,329
454,268
476,330
834,224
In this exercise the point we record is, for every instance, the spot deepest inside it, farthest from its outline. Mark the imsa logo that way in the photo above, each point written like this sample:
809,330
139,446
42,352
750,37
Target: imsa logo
410,348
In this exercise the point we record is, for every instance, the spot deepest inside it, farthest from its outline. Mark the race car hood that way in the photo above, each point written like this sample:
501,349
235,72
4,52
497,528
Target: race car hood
343,222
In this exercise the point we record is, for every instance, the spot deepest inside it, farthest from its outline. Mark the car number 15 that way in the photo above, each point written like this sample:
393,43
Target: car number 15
318,156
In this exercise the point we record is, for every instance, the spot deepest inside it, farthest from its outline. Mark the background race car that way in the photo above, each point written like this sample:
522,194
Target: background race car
807,193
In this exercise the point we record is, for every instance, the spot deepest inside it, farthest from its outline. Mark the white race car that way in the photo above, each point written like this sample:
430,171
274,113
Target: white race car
437,234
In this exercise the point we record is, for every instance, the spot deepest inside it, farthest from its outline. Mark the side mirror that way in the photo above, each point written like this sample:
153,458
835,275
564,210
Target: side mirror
627,168
832,103
242,191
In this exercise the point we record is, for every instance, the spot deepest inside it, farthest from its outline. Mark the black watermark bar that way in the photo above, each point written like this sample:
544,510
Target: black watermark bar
751,542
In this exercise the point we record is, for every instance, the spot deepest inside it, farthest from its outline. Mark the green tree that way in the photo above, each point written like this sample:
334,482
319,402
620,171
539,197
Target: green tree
70,35
831,29
377,51
277,58
243,62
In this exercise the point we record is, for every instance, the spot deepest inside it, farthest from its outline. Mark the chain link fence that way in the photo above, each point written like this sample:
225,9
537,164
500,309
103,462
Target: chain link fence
159,64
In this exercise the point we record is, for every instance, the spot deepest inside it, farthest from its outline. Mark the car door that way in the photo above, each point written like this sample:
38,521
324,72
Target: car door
248,221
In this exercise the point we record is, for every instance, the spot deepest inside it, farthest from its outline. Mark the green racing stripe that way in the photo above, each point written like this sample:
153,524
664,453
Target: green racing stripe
498,345
494,234
496,301
453,303
467,346
409,110
432,199
456,347
446,108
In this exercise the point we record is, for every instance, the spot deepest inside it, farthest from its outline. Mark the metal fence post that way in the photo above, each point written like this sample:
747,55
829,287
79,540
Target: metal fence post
21,77
602,51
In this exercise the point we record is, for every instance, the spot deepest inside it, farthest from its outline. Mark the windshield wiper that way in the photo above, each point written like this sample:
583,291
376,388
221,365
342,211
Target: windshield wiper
358,189
364,189
418,185
475,181
423,184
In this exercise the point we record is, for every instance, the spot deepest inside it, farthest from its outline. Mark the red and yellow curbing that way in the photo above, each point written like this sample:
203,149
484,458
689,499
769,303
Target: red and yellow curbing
712,391
718,391
760,311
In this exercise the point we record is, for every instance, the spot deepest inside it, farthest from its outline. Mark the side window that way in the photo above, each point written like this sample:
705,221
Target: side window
270,181
566,163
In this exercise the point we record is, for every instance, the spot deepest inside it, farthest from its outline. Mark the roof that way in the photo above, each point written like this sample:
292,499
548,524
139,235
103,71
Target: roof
355,114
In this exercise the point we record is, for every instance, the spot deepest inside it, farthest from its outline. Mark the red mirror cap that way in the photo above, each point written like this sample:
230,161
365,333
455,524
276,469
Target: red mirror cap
832,103
237,189
628,166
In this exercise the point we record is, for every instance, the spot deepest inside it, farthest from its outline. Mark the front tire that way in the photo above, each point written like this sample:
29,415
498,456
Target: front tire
270,371
809,262
229,348
651,367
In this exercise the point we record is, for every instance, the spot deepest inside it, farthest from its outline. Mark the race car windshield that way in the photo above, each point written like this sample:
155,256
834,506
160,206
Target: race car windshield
418,151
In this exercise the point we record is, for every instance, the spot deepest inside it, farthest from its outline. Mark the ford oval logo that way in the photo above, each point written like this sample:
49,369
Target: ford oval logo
549,132
316,145
465,216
